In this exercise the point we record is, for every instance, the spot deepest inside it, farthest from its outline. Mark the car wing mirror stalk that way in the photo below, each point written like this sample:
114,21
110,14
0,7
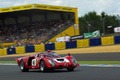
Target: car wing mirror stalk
68,54
44,55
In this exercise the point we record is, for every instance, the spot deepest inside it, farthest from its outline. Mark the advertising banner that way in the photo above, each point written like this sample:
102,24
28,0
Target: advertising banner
91,35
76,26
62,39
77,37
117,29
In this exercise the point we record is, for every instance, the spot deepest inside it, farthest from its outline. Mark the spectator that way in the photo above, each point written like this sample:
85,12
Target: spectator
17,33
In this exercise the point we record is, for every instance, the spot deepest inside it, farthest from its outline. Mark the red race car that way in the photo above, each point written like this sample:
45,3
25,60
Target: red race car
47,61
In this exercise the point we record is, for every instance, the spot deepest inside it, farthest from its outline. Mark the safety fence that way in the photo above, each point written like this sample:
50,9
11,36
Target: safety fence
63,45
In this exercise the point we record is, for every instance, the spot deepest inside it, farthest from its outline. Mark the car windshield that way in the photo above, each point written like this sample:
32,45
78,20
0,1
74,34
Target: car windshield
51,54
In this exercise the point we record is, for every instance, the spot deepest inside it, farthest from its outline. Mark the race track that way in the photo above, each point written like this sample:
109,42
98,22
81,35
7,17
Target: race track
13,72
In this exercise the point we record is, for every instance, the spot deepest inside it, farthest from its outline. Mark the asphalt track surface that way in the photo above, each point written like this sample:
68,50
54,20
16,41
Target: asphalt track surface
80,73
12,72
83,57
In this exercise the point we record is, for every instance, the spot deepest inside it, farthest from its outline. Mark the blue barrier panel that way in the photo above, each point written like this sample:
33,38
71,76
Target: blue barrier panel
71,44
50,46
11,51
117,39
95,42
29,49
68,45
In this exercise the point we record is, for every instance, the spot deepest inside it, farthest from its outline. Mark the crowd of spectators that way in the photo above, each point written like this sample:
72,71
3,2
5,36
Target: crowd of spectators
37,30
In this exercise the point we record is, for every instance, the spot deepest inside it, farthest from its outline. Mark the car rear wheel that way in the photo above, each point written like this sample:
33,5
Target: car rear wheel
42,66
70,69
22,66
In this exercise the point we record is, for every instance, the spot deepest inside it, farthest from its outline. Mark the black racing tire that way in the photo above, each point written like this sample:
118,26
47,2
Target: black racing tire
22,66
43,66
70,69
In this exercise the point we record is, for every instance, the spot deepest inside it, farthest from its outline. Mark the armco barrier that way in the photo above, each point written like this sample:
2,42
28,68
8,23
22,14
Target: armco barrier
83,43
29,49
117,39
95,42
3,52
11,51
71,44
20,50
40,47
107,40
60,45
50,46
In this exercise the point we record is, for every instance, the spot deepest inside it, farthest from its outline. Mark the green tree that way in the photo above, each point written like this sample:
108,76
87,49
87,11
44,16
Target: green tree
92,21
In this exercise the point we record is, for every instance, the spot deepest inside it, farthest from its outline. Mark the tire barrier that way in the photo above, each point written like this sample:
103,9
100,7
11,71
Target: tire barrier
29,49
83,43
11,51
20,50
63,45
3,52
50,46
117,39
71,44
39,48
60,45
107,40
95,42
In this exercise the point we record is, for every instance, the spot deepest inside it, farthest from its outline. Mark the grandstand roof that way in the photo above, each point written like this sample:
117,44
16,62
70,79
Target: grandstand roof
37,6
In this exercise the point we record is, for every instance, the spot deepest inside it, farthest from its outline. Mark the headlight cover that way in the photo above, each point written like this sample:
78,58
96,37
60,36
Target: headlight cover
66,60
74,61
52,62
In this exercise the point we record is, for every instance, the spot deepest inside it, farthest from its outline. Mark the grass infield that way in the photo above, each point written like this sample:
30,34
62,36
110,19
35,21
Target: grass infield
80,62
8,61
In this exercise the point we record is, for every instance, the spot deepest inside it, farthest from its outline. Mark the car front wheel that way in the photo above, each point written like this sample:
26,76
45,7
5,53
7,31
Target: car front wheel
70,69
42,66
22,66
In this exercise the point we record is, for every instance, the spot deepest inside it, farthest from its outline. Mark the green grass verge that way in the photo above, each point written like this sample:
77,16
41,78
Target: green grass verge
8,61
80,62
98,62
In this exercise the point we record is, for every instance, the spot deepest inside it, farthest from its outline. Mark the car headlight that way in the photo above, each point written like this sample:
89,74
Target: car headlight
52,62
74,61
66,60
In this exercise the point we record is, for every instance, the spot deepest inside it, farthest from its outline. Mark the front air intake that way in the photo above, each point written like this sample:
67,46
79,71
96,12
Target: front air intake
60,59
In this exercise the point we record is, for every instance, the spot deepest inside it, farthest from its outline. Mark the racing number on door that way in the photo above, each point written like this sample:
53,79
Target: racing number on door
34,62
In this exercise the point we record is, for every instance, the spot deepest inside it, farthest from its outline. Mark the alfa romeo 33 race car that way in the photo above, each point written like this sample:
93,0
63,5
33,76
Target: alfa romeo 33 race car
47,61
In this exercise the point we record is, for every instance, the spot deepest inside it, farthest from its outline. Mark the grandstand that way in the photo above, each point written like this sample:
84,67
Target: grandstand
35,23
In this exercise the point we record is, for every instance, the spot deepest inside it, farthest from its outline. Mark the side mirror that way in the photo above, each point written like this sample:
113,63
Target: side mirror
68,54
48,51
44,55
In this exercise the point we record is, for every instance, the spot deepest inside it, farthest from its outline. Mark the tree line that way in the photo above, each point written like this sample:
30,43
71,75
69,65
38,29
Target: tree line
92,21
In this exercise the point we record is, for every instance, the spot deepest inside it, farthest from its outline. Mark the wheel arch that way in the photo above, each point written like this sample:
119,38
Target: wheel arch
24,62
24,66
44,61
41,60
